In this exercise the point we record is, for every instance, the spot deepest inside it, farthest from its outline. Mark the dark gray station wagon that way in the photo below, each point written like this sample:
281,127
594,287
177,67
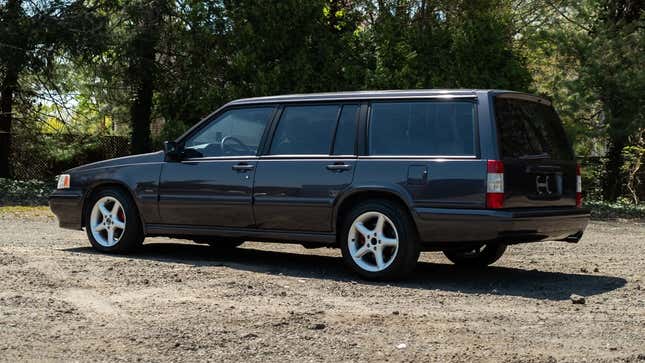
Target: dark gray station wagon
380,175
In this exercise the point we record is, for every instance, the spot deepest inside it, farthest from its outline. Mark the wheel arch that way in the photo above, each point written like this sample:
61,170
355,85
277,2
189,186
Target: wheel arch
358,195
107,184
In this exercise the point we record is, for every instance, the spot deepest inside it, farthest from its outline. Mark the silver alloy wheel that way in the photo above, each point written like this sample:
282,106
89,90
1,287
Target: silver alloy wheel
107,221
373,241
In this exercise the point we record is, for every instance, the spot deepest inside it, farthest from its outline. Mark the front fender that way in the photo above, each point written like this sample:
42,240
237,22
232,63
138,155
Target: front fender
140,180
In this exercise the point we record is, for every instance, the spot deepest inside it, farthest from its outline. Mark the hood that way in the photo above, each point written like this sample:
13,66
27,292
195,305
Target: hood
154,157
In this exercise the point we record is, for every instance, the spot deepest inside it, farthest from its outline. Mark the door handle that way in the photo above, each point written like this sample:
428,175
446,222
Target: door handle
243,167
338,167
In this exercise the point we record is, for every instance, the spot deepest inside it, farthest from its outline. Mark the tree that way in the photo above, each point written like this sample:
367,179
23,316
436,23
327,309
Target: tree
33,37
443,44
612,65
588,56
291,46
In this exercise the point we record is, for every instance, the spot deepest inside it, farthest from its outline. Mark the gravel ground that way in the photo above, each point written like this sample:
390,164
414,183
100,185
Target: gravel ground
178,301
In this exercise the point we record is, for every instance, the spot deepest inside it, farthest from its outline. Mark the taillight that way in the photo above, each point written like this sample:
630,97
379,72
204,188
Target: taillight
578,187
495,184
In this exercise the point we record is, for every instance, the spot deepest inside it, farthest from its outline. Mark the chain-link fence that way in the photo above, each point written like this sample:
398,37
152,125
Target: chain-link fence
593,179
41,157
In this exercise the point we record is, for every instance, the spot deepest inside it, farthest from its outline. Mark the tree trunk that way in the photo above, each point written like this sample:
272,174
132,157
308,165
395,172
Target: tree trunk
613,180
7,90
12,60
140,112
143,73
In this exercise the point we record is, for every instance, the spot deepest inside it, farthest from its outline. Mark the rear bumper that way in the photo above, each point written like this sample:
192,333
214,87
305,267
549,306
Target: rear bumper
67,205
505,226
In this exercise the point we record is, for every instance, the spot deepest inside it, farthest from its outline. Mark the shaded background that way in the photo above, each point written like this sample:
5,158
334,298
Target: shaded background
82,81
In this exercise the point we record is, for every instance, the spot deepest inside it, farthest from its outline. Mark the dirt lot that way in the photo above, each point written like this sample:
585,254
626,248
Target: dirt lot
175,300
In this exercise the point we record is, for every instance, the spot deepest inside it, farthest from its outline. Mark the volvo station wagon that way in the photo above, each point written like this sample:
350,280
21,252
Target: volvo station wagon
380,175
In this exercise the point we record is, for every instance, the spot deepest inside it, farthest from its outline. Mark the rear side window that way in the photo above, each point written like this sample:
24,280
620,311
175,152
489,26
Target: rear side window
422,128
305,130
529,129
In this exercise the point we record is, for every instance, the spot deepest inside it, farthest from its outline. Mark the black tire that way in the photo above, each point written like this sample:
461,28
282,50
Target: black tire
470,258
132,236
408,251
222,243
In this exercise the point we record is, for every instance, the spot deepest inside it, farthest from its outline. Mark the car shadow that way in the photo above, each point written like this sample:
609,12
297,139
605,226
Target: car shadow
493,280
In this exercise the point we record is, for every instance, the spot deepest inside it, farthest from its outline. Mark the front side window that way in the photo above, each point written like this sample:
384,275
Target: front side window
305,130
236,132
422,128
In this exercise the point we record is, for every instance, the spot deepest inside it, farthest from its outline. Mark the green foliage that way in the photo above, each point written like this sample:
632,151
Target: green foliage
451,44
21,192
634,157
588,56
592,174
120,64
623,209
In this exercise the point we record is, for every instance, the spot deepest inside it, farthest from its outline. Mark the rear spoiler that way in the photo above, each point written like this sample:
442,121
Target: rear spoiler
524,96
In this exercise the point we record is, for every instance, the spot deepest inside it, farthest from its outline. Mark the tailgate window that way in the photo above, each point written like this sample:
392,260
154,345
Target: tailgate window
530,129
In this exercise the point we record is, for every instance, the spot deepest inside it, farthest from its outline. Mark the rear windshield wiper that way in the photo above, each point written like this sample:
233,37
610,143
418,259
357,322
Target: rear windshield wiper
535,156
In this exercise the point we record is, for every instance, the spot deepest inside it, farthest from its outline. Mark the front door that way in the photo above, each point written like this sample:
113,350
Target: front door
212,184
310,161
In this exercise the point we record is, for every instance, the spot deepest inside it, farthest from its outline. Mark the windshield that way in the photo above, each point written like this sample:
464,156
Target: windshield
528,129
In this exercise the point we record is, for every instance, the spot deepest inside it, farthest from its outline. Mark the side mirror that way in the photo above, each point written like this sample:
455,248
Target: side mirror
173,150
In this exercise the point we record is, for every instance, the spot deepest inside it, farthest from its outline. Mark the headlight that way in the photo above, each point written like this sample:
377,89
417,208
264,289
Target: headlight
63,181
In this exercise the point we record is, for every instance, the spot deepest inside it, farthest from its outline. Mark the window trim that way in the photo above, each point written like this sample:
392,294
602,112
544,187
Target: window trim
357,114
264,152
368,127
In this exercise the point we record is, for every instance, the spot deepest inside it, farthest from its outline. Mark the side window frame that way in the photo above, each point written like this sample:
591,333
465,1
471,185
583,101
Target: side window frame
357,114
208,120
367,120
265,148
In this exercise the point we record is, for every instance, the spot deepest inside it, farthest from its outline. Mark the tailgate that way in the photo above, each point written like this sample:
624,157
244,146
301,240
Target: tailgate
539,166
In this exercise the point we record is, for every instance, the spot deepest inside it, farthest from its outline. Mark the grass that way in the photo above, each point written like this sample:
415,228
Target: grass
25,211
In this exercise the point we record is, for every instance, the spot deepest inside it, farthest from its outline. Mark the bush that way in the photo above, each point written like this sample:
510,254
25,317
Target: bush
621,209
25,192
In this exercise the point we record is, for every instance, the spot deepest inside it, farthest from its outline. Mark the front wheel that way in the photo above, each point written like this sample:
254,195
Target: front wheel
379,241
479,256
112,222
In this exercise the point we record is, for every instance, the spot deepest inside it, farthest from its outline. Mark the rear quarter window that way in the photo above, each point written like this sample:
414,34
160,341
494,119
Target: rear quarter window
422,128
529,129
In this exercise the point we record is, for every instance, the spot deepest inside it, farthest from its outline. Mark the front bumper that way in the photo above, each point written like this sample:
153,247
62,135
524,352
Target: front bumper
67,205
504,226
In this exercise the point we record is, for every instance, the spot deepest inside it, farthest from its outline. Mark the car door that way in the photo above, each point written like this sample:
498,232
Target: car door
428,149
212,183
311,159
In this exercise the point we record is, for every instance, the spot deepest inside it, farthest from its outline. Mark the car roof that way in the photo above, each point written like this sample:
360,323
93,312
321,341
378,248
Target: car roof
363,95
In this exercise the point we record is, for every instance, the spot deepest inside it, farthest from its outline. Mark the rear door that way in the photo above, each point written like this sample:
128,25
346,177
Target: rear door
427,147
539,165
311,159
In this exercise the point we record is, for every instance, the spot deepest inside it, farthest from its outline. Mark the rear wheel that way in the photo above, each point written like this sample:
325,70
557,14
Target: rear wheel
378,241
112,222
478,256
